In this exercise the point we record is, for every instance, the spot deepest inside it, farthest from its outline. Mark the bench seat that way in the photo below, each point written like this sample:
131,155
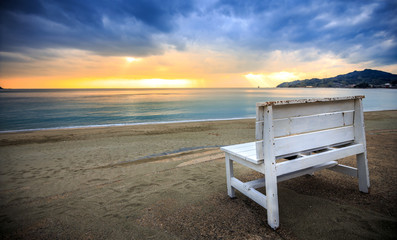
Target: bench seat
284,164
246,151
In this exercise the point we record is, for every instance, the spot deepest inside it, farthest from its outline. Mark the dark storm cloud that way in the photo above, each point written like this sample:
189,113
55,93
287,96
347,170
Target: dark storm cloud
105,27
356,30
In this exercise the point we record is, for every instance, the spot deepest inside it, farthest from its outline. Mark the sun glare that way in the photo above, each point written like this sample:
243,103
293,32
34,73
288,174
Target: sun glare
270,80
132,59
138,83
159,83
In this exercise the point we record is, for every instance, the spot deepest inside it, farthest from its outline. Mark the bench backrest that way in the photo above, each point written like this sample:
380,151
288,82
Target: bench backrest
302,125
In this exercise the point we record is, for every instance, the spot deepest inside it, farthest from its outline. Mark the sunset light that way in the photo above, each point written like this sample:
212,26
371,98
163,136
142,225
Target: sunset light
204,44
132,59
114,115
131,83
166,83
270,80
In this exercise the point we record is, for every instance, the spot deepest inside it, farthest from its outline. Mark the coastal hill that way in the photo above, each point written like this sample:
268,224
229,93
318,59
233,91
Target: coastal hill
360,79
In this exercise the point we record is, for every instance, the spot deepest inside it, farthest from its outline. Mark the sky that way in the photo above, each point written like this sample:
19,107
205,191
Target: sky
181,43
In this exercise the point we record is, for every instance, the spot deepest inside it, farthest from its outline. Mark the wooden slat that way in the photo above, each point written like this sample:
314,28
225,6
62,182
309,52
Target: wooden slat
259,123
307,141
305,171
319,158
260,114
311,100
247,151
258,183
306,109
297,125
248,156
252,193
239,147
259,150
242,150
259,130
257,167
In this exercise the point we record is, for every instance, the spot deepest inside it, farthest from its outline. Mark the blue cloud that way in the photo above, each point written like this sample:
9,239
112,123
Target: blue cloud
345,28
359,31
104,27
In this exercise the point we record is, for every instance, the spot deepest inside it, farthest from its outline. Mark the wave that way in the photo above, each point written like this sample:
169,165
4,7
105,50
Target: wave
123,124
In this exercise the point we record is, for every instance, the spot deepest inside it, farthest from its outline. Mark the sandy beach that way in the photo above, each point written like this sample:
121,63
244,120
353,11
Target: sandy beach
167,181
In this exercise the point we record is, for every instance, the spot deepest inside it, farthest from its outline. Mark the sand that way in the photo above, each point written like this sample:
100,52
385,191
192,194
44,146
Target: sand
167,181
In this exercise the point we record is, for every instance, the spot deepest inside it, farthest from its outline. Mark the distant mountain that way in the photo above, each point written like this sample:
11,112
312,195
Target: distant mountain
361,79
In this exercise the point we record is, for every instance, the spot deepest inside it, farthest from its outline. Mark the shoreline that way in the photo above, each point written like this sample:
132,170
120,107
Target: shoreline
143,123
124,124
128,131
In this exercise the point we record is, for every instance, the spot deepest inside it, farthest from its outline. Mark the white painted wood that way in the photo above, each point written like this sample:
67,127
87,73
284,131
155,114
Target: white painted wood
312,100
313,151
297,125
282,127
347,170
270,169
362,172
229,175
246,152
257,167
259,130
259,123
306,109
307,141
319,158
359,127
259,151
260,114
258,183
258,197
238,147
305,171
362,162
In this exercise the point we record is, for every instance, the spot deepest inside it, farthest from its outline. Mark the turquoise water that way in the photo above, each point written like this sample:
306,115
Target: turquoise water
62,108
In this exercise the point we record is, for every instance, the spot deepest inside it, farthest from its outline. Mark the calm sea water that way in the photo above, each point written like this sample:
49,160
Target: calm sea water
42,109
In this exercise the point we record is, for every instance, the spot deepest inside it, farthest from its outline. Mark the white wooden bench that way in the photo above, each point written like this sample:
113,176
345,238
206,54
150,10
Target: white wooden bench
299,137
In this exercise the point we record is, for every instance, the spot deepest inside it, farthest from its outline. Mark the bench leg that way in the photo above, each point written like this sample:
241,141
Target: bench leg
229,175
362,172
272,202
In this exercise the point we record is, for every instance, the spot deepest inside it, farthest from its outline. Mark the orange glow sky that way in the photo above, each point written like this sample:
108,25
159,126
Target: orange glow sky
218,48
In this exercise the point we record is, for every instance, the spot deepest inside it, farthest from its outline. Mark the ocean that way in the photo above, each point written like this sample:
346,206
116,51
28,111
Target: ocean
33,109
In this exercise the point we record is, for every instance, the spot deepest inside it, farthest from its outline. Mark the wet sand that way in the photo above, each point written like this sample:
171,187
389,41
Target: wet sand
167,181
